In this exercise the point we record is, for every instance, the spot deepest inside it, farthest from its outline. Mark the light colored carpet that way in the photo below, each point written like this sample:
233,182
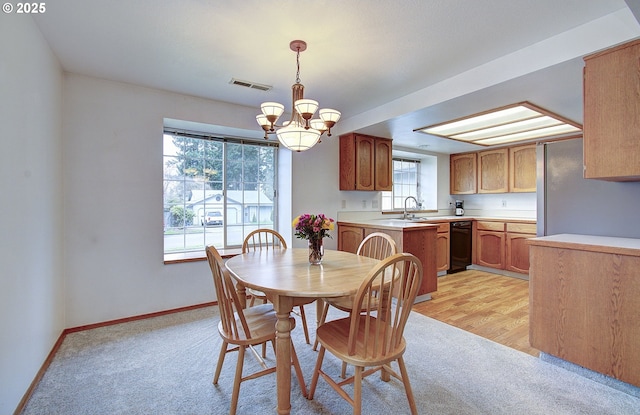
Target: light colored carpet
164,365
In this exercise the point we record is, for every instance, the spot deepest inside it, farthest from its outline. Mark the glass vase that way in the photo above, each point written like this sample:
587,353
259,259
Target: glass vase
316,251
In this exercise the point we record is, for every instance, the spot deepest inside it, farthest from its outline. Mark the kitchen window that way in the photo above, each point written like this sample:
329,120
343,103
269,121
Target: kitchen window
406,174
216,190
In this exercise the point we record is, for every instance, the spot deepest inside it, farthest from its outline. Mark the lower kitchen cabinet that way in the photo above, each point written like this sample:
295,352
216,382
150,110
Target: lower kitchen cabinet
496,244
490,244
503,245
517,255
442,247
349,238
414,239
583,302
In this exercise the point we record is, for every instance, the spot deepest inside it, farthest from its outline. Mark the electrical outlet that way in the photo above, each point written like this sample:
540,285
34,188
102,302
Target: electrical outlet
374,204
344,204
364,204
504,203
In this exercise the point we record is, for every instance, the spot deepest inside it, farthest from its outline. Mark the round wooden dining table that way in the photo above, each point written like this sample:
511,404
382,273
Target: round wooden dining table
287,278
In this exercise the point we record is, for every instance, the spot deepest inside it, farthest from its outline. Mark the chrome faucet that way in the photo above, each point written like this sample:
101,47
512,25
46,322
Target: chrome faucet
404,215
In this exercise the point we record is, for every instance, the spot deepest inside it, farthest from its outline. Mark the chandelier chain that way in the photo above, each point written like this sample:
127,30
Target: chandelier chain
298,64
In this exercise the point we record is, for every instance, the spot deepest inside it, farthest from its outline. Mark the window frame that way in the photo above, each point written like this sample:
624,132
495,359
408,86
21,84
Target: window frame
227,246
397,185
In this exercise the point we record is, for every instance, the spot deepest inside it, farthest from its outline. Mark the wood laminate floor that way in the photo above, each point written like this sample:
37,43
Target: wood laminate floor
493,306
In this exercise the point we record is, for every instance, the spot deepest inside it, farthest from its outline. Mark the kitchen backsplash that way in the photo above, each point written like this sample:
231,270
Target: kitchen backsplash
505,205
505,213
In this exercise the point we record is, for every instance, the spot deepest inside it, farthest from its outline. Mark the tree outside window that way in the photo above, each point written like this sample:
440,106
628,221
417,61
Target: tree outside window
216,190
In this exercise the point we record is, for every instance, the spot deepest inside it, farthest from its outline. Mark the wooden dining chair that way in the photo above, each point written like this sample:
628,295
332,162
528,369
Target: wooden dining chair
372,336
242,328
269,239
376,245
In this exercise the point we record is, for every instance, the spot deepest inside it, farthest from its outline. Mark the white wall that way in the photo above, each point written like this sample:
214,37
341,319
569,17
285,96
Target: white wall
113,194
520,205
93,162
315,184
31,271
113,188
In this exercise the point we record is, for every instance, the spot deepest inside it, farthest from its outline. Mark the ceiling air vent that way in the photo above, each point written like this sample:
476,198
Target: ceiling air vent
251,85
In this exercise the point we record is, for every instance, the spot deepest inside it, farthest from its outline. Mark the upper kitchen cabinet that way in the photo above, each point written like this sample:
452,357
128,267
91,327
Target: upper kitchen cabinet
522,168
612,114
365,163
493,171
463,173
507,169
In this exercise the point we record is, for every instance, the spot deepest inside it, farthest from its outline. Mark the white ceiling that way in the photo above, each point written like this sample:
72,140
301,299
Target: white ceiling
390,66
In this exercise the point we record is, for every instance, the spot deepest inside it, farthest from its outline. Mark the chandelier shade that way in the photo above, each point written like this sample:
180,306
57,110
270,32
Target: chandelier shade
329,116
263,120
301,132
318,124
272,111
298,138
306,107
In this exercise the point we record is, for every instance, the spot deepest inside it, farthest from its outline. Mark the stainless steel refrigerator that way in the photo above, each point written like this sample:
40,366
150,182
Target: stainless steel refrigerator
568,203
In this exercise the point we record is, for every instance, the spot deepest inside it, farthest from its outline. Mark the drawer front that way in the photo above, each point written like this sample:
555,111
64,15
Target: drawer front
490,226
443,227
522,228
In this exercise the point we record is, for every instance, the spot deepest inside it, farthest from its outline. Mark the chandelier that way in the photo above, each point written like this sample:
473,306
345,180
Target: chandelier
301,132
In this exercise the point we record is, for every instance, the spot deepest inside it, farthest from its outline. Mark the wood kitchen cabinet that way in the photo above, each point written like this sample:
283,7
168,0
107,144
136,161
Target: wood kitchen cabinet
490,244
422,244
349,238
503,245
493,171
463,173
365,163
442,247
383,168
522,168
517,252
611,129
503,170
584,297
414,239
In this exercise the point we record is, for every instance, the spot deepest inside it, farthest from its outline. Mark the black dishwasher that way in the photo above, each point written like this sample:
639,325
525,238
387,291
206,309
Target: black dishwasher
460,246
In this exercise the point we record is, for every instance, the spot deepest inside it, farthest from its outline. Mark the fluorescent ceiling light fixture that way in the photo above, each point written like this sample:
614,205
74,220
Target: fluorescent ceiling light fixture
513,123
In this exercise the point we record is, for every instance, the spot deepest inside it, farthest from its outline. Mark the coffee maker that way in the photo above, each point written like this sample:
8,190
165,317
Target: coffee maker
459,207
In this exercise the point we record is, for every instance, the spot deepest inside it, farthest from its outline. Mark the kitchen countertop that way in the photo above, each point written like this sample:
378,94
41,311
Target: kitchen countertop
593,243
398,223
390,224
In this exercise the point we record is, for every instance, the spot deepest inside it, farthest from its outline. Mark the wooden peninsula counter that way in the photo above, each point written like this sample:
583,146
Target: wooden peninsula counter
584,300
418,239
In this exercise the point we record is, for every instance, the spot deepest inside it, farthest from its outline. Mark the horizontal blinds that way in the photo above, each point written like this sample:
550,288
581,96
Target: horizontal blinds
226,139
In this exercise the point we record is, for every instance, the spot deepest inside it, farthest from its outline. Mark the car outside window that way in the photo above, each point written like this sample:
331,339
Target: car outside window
213,219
